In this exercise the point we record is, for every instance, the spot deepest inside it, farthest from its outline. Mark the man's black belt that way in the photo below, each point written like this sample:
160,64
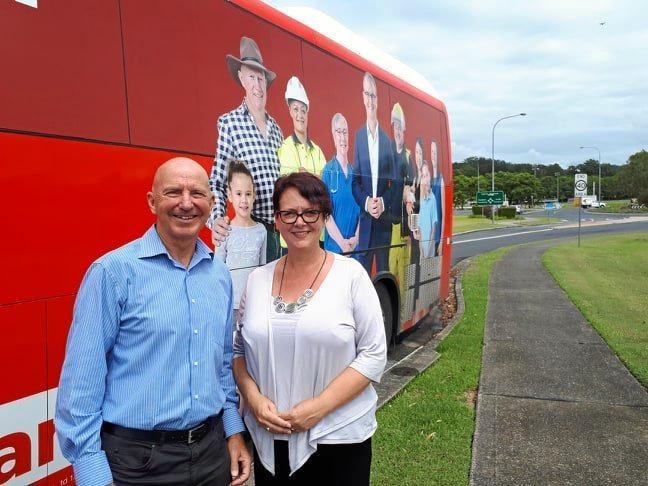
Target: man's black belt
188,436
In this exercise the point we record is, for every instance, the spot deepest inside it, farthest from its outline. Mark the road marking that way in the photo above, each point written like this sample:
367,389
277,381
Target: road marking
502,236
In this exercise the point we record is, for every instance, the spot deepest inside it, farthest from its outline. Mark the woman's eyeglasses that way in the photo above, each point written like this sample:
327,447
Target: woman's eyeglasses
290,217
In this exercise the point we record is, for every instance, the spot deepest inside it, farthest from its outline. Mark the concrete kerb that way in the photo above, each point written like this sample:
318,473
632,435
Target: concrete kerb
404,371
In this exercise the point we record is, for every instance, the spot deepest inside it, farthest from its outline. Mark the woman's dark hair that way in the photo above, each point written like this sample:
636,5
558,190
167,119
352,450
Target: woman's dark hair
309,186
419,142
237,167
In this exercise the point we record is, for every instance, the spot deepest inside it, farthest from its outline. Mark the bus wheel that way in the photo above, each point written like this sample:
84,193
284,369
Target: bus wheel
387,312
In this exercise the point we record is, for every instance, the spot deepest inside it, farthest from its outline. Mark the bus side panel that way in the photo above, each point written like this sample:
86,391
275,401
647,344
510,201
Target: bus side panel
31,355
178,81
23,402
78,201
336,86
59,319
22,351
333,87
426,276
62,69
448,176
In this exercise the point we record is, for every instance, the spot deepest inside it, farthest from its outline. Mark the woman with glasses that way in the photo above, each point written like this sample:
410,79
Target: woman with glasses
310,343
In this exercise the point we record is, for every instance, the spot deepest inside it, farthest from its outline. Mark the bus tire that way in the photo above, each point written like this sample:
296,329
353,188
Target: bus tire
387,311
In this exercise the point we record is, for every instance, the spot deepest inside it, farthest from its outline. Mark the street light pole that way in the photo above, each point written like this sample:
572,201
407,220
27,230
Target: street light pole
599,164
493,157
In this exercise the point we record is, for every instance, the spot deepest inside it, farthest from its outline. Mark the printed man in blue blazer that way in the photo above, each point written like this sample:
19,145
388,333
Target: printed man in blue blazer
374,187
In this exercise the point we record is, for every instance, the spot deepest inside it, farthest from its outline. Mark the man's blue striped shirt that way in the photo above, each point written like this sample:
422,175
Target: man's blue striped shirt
150,347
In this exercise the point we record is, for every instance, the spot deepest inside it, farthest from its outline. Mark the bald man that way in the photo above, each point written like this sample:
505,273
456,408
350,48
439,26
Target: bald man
147,394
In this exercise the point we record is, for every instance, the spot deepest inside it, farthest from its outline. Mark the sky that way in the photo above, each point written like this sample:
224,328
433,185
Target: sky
580,83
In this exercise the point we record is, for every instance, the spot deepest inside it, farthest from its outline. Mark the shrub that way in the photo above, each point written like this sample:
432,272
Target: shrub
481,210
643,197
507,212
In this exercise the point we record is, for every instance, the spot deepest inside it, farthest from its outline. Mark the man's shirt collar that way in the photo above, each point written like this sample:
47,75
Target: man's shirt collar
151,245
296,141
246,111
369,135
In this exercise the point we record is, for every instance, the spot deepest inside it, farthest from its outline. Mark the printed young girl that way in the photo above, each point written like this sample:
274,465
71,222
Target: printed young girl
245,247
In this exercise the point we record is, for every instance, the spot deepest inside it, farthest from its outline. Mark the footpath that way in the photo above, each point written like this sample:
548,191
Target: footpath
555,404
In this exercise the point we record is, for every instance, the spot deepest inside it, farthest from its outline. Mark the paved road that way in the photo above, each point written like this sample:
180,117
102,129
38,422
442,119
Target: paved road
566,213
570,213
475,243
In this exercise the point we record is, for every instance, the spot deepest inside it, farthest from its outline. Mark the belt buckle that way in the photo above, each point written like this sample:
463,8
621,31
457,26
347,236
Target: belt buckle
190,436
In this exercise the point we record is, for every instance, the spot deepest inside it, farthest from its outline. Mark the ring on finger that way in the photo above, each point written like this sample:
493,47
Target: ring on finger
268,429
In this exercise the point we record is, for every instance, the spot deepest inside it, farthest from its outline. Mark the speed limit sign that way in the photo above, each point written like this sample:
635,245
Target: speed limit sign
580,185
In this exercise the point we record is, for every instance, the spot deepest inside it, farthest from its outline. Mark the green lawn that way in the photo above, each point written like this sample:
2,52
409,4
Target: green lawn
607,279
463,223
425,433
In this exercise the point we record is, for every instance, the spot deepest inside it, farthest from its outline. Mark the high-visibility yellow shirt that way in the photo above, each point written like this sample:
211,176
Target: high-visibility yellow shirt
294,155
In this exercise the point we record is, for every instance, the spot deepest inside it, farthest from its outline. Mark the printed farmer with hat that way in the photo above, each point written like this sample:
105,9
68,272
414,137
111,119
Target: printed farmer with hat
249,134
298,152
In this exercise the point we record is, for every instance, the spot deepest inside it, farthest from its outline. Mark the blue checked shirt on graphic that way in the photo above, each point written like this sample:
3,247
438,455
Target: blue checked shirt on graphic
150,348
239,137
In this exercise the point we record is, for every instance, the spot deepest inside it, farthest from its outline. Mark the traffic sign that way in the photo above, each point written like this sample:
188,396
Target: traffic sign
490,198
580,185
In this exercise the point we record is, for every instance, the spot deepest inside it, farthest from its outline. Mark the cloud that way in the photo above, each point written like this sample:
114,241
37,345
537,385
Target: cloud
580,83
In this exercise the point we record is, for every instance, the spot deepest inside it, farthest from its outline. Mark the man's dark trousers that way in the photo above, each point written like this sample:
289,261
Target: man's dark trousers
134,462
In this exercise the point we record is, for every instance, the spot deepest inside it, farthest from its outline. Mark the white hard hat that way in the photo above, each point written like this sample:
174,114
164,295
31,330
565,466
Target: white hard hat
295,91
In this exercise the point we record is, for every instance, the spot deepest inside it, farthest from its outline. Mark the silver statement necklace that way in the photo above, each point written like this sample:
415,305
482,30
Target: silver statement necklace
301,302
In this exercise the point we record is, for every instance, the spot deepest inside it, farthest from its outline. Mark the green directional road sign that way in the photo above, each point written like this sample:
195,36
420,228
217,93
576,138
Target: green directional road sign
490,198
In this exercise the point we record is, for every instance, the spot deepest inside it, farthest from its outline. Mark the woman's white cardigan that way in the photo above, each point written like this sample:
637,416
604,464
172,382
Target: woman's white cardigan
342,326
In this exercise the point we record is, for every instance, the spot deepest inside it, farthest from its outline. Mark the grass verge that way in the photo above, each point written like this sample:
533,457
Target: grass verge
461,223
425,433
607,279
620,206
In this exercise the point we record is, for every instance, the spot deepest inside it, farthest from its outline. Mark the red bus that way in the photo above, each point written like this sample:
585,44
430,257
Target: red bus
95,94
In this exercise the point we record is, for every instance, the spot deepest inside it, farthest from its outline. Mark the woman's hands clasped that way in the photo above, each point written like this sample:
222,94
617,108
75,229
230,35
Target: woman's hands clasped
267,416
305,415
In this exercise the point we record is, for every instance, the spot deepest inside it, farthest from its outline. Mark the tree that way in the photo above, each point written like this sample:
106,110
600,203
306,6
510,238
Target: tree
464,189
519,187
633,177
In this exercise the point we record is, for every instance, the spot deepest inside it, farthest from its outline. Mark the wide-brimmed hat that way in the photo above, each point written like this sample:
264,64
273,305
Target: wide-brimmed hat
251,57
